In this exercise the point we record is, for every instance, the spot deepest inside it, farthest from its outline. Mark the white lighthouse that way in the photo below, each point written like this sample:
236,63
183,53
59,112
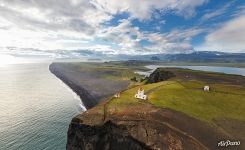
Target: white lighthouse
141,94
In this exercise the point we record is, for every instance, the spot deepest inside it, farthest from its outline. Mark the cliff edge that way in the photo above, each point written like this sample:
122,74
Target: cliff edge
139,127
127,123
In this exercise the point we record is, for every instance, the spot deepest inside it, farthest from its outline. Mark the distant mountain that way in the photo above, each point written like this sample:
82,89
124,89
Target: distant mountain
195,57
198,56
155,58
207,56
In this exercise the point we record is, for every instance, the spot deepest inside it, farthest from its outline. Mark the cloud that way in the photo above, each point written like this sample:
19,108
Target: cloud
143,9
53,15
176,41
216,12
229,37
80,24
129,39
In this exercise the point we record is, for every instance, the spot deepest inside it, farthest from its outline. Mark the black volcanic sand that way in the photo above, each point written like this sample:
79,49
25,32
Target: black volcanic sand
86,84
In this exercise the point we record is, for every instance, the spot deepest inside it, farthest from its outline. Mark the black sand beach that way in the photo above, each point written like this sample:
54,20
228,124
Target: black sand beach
91,88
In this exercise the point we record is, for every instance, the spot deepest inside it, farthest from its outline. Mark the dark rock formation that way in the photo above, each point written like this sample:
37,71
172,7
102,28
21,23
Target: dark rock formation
106,137
160,75
140,127
110,136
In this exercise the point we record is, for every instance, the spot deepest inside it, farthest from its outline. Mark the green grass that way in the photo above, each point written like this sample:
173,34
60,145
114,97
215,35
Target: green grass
202,105
109,71
115,73
127,97
189,98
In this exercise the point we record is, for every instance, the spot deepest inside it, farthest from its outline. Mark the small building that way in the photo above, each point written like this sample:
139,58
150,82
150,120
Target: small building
117,95
206,88
141,94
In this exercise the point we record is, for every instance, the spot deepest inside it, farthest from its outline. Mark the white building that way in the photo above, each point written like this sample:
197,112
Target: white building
117,95
141,94
206,88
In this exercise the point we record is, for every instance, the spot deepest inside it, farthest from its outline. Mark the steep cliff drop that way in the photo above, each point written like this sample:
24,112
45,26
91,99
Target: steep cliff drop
142,126
113,125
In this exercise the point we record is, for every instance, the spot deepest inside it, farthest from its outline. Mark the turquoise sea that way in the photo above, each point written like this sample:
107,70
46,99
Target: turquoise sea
35,108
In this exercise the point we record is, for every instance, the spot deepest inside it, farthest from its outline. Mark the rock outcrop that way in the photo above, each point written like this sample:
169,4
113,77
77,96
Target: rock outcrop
141,127
107,136
160,74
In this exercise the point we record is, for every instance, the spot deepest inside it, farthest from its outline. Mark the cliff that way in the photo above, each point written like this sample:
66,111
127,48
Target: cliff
127,123
141,126
159,75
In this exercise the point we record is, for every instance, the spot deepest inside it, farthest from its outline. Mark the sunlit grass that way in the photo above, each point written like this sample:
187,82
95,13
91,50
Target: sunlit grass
199,104
189,98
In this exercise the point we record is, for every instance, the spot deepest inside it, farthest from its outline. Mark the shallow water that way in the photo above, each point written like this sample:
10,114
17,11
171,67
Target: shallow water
35,108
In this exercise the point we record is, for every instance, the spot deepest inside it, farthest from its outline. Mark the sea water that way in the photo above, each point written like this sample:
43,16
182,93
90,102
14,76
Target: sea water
35,108
226,70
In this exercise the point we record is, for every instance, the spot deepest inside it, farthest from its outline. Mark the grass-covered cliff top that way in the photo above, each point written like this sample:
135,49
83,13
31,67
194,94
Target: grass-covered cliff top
183,93
178,103
222,101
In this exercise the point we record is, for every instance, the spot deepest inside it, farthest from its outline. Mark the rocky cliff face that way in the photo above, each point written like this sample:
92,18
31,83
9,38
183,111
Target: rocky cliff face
159,75
106,136
138,128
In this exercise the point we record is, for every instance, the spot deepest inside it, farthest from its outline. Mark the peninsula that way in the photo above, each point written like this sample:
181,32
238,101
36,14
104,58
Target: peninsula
177,114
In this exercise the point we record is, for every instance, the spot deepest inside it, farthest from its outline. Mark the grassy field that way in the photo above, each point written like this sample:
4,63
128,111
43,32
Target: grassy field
109,70
188,97
223,101
178,102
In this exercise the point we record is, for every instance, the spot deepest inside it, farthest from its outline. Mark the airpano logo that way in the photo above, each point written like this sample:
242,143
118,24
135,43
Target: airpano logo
229,143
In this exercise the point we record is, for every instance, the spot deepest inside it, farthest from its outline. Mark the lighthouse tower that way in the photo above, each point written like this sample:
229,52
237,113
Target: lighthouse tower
141,94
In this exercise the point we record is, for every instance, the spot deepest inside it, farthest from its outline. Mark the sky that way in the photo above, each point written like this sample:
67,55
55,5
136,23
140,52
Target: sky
128,27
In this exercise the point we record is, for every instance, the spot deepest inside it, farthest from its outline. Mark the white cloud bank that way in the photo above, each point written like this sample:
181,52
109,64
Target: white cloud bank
229,37
78,24
143,9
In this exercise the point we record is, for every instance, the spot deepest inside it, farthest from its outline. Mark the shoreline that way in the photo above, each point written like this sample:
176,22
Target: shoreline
116,119
85,97
90,89
74,94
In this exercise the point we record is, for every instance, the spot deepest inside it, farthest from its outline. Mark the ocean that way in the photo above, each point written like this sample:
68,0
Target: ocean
35,108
